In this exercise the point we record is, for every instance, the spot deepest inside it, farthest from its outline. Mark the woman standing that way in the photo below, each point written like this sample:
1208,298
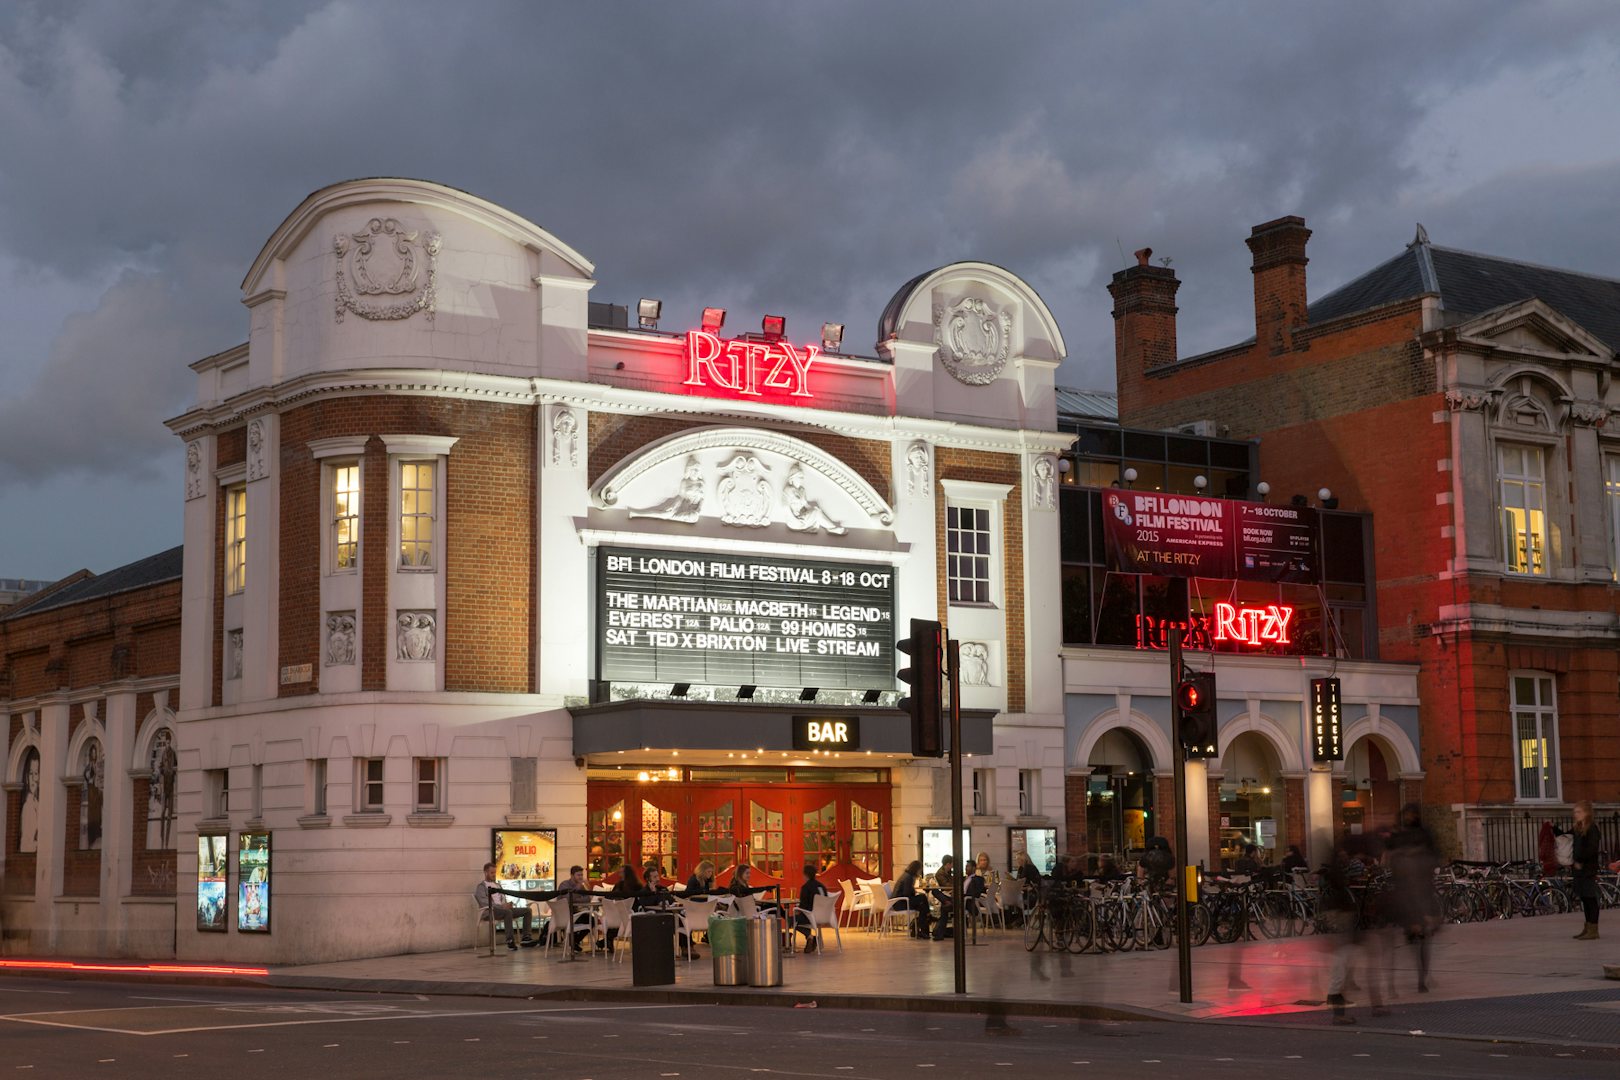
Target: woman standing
1585,868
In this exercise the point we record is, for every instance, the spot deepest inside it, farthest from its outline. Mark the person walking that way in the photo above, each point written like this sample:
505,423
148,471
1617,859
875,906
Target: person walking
1585,868
1339,918
1413,857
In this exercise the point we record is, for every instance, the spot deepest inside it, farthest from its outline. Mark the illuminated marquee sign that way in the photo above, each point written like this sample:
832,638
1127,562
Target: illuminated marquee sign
748,368
1327,721
1256,627
1200,536
824,733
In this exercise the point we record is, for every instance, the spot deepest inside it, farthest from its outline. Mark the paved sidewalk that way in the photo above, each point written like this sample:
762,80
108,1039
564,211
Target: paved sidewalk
1518,958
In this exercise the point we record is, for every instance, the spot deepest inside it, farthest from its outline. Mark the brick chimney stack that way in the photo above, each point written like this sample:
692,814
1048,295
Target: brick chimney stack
1144,325
1279,281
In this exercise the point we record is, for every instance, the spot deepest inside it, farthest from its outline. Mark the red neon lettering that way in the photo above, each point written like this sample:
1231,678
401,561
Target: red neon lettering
736,365
1253,626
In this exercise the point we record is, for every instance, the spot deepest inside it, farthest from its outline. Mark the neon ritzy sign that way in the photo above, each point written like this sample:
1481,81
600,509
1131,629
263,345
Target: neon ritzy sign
748,368
1252,626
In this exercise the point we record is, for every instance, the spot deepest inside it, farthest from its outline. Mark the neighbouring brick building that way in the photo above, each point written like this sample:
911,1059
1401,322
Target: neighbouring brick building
88,670
1465,401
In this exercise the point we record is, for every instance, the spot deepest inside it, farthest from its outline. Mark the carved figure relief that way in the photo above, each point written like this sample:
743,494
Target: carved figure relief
233,654
162,766
1589,414
917,482
1525,411
975,663
973,339
257,467
386,262
194,477
1043,485
564,438
416,636
745,495
340,639
686,503
803,513
28,818
1466,400
94,775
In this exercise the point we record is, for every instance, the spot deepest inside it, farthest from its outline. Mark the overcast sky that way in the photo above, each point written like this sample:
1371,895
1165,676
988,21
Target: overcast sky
799,158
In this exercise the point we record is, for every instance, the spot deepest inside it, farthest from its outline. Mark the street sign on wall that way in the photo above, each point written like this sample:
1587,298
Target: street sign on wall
735,620
1149,532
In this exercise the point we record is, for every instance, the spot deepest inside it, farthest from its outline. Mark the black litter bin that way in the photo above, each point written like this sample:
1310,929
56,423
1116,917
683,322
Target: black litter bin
652,949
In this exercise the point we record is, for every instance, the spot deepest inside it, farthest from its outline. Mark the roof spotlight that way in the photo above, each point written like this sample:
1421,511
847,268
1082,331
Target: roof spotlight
775,326
832,336
713,319
648,311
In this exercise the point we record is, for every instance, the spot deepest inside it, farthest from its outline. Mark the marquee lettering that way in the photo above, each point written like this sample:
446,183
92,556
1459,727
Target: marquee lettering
1257,626
749,368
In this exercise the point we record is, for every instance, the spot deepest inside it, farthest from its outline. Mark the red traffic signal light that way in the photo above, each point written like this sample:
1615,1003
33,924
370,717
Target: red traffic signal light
1191,696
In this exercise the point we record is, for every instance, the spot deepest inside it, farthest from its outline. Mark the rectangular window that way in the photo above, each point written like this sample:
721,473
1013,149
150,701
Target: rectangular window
983,792
371,785
317,784
258,792
429,784
967,554
1524,508
345,517
219,793
1611,491
416,483
235,539
1026,792
1535,726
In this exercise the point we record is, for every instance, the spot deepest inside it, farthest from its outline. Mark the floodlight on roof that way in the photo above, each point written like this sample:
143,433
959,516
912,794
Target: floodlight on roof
832,336
713,319
774,326
649,311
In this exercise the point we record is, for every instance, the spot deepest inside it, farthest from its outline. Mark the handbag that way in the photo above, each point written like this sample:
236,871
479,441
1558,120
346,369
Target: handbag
1564,849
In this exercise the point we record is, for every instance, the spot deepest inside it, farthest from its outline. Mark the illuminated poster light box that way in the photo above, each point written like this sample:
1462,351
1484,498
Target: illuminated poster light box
212,868
253,883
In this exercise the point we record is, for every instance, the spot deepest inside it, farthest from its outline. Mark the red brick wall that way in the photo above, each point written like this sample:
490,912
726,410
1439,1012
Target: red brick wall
231,447
152,873
1213,787
157,648
990,468
20,868
81,870
1074,814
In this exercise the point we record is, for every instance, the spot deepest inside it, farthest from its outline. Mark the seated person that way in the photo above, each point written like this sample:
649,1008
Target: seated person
655,896
500,911
973,890
578,891
905,886
808,892
1248,862
742,885
701,883
1294,860
1108,870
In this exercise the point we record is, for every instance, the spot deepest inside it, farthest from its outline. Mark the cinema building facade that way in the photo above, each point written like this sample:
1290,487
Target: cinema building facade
471,563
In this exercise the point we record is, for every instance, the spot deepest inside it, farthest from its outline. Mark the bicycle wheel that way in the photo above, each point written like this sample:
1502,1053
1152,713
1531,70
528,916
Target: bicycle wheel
1113,934
1061,928
1082,928
1269,915
1198,923
1034,927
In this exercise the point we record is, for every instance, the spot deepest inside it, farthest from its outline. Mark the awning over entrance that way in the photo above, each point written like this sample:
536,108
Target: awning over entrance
680,725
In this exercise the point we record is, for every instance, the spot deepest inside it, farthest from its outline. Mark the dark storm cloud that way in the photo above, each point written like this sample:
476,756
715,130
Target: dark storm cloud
803,159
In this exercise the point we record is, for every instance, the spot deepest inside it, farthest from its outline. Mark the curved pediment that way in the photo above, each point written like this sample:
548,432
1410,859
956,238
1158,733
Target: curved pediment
743,477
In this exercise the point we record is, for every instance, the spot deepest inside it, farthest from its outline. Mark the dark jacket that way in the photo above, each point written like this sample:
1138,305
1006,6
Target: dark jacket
905,884
1030,872
695,886
808,893
1585,867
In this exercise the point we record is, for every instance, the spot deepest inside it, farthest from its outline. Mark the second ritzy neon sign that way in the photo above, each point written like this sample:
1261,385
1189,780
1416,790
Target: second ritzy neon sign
750,368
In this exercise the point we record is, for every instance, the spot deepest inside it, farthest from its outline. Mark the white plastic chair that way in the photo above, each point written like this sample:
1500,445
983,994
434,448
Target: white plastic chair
824,912
746,906
564,921
888,909
694,918
864,898
616,916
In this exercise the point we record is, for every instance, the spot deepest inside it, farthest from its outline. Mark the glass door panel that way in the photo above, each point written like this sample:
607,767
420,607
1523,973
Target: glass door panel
767,842
660,838
716,831
820,833
866,839
605,835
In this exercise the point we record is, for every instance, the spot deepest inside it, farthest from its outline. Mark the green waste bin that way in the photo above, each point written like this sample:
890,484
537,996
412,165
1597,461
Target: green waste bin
728,942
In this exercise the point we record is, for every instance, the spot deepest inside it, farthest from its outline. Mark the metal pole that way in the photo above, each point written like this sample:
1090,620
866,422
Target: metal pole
1178,758
953,656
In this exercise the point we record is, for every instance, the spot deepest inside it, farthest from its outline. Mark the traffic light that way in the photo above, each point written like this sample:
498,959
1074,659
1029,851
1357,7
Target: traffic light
1195,702
926,647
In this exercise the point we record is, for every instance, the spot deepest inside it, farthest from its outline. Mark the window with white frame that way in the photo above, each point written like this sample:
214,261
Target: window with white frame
1026,792
235,539
257,792
1523,482
218,785
317,783
1611,492
345,482
983,791
967,553
429,784
371,785
417,481
1535,729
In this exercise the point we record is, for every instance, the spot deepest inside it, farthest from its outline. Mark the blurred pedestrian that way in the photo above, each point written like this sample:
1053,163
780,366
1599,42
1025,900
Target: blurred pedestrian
1415,906
1585,868
1338,910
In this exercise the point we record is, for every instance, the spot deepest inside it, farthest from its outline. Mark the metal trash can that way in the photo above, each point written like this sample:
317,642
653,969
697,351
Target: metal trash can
765,951
728,941
652,949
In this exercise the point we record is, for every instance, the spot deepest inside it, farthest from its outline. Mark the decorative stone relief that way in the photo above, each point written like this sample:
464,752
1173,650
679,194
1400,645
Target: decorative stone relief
1521,410
803,513
1589,414
417,635
162,768
564,438
94,775
973,339
1466,400
194,476
686,503
975,663
233,654
1043,482
340,639
745,495
384,260
917,470
257,467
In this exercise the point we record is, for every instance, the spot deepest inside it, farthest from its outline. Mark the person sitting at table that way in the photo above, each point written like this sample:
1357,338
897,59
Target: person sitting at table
802,920
499,911
655,896
578,891
1108,870
905,887
701,883
973,889
628,884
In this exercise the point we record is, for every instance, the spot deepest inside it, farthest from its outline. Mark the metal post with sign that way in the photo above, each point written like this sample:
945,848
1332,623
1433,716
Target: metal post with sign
1178,758
953,660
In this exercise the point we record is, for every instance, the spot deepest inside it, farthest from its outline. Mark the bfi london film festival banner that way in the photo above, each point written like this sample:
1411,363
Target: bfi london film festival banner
734,620
1194,536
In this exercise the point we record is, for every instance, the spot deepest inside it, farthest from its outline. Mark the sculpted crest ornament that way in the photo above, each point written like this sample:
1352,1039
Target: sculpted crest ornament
386,263
973,339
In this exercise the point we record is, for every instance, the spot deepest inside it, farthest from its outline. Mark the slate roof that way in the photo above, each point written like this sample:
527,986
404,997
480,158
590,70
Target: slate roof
1470,284
1087,404
164,566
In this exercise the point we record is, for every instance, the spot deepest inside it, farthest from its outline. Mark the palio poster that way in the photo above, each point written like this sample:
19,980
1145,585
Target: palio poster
526,859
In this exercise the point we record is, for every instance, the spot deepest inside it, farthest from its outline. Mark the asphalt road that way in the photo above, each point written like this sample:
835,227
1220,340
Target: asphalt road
85,1029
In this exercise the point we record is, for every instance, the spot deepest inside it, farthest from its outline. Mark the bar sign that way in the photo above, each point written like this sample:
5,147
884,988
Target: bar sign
1327,721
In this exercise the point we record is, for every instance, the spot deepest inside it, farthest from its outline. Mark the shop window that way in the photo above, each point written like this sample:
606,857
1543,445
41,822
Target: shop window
345,523
235,539
417,481
606,853
1027,790
429,785
1523,490
1535,726
968,553
371,785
